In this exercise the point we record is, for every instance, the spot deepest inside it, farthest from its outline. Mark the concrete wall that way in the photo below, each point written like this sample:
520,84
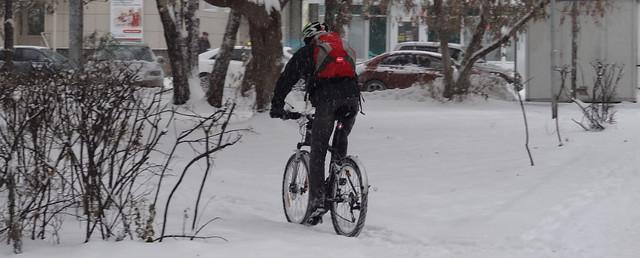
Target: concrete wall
613,39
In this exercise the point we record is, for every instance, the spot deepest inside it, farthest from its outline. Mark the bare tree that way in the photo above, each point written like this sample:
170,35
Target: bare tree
8,32
218,75
17,5
266,47
498,21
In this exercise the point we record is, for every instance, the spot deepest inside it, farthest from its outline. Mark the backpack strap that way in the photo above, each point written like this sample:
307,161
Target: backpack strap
323,52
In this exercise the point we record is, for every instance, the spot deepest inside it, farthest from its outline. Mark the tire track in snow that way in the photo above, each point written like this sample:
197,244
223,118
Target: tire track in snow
403,245
547,234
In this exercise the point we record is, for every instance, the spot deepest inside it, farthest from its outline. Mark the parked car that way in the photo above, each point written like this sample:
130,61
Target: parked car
399,69
239,56
456,51
138,58
26,59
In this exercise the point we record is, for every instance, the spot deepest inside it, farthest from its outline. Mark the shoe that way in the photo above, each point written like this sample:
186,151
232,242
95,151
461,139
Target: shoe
312,221
316,217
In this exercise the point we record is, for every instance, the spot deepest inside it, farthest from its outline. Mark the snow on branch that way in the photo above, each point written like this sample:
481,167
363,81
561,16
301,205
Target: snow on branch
269,5
511,32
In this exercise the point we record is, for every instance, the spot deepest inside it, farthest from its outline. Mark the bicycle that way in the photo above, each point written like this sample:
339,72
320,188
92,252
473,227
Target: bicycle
347,185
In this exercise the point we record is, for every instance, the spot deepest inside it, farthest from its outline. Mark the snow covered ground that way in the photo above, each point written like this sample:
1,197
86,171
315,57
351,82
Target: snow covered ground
448,180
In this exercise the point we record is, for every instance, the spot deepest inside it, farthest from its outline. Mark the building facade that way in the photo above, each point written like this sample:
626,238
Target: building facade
46,23
377,33
612,38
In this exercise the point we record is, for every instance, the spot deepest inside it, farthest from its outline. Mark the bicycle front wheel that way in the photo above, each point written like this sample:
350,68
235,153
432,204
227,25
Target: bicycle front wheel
349,193
295,188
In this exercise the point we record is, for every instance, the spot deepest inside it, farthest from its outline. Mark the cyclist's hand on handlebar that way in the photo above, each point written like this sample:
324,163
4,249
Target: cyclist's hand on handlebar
291,115
284,115
276,113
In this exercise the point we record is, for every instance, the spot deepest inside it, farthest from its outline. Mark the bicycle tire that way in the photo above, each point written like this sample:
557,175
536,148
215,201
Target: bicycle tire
295,201
349,192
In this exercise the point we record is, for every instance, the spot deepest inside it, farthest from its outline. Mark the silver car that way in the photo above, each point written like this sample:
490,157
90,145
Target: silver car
138,58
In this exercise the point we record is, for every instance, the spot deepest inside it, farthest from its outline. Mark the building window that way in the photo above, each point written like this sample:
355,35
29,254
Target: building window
407,32
35,19
433,36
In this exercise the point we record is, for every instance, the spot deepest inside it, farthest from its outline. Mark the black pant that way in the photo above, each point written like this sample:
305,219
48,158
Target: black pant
344,111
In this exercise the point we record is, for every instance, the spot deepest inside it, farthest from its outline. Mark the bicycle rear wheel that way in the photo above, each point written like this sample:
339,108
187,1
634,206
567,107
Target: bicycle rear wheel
295,188
349,191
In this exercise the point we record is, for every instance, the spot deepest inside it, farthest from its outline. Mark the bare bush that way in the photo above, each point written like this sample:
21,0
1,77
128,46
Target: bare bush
86,144
600,110
208,136
83,141
79,138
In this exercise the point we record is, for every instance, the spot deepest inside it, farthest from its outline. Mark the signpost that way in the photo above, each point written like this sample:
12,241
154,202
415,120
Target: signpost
126,20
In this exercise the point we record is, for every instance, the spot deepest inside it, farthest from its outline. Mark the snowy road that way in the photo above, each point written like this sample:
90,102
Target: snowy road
454,181
448,180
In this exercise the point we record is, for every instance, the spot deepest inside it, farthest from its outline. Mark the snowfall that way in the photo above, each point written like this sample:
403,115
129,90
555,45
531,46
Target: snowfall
447,180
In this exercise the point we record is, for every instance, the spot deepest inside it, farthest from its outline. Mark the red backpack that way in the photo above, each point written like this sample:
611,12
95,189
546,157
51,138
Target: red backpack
332,58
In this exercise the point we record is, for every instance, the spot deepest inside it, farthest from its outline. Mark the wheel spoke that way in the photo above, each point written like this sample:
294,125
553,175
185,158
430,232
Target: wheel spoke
295,189
345,219
350,205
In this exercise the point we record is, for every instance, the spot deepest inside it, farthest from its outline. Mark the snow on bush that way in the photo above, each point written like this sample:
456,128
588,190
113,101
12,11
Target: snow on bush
90,146
486,86
493,87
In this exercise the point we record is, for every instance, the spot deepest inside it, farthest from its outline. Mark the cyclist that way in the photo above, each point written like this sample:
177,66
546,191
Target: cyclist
331,85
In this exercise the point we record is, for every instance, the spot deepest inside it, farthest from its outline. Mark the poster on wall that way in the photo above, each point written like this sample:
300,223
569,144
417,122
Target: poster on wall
126,19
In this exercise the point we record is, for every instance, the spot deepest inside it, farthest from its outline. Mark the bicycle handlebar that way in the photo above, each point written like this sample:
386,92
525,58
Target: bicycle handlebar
290,115
295,115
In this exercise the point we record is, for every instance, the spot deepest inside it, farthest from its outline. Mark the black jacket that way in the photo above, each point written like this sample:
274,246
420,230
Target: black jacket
301,66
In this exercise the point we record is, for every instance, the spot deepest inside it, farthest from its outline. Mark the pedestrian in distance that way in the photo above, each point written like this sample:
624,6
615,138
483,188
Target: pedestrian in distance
203,43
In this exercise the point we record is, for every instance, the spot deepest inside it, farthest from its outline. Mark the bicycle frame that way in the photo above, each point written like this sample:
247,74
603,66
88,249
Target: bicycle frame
334,165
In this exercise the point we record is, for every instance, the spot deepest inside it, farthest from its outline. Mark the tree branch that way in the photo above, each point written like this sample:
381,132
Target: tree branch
512,32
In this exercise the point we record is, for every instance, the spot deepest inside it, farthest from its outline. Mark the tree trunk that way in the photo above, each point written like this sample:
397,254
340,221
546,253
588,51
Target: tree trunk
15,229
338,14
441,23
174,38
75,31
264,68
575,30
218,75
462,82
266,34
8,32
330,12
193,30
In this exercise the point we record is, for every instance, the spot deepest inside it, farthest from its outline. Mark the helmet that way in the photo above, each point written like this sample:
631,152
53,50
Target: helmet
312,29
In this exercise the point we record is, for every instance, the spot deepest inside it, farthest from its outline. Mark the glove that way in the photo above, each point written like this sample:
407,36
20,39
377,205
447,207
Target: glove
291,115
276,113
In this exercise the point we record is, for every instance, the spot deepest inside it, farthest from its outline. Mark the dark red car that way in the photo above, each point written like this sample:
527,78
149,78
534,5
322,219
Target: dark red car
399,69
